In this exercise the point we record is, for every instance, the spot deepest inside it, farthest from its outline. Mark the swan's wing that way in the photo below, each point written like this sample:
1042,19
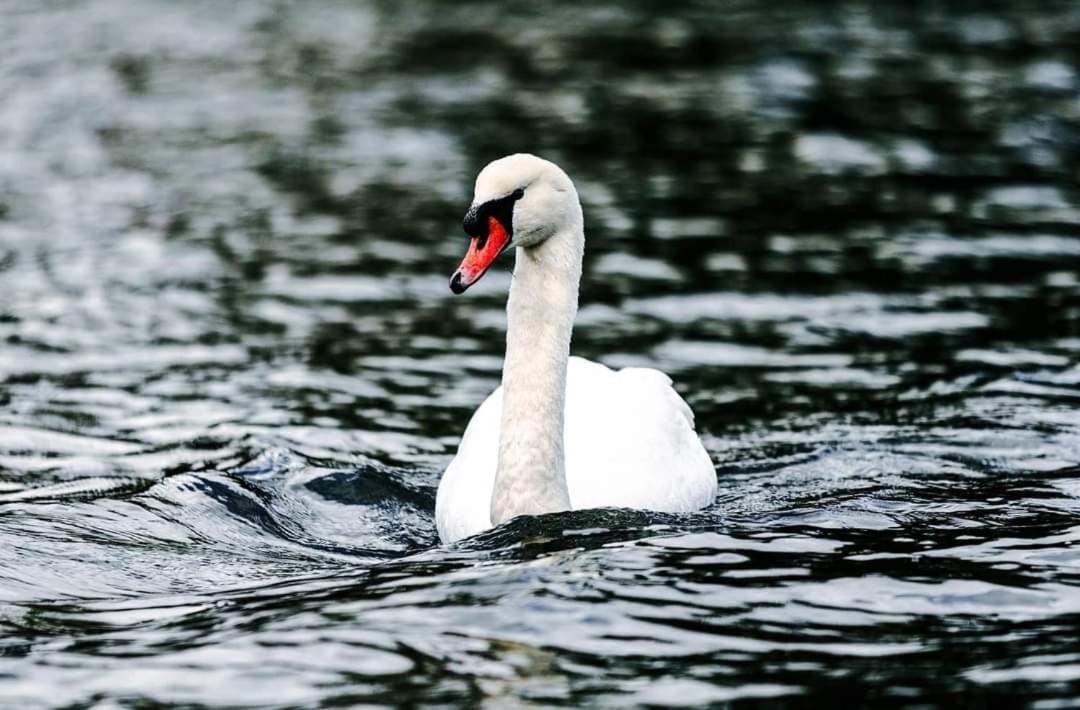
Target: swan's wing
630,442
659,384
463,502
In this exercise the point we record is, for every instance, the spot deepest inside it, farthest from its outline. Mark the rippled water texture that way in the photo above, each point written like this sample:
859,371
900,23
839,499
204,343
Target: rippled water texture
232,371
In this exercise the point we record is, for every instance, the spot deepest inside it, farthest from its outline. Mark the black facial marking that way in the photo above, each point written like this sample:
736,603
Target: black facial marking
502,209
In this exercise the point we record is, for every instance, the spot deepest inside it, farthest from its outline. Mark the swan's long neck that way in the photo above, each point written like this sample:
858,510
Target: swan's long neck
531,478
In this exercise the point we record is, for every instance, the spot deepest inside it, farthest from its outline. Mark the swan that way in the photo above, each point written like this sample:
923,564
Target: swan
561,433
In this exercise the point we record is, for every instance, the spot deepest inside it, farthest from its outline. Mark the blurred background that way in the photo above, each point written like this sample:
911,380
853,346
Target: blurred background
231,370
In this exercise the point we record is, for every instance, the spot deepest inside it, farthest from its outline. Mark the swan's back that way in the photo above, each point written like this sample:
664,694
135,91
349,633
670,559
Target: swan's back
629,442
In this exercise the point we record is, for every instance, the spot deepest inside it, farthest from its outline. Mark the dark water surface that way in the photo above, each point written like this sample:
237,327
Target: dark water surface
232,371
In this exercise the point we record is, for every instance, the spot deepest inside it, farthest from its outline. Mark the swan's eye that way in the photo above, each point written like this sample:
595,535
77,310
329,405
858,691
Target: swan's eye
518,193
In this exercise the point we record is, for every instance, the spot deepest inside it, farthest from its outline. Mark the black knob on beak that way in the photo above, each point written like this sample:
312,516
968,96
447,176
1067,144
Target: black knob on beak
473,223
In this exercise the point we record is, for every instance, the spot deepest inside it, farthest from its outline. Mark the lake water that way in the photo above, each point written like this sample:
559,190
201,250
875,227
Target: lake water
232,372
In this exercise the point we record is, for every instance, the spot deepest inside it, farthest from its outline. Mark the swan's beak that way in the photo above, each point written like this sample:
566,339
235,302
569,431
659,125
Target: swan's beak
481,254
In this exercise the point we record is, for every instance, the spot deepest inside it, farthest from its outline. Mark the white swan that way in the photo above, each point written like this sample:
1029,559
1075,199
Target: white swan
561,432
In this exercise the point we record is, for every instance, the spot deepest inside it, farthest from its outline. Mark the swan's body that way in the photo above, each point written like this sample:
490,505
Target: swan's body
561,433
629,442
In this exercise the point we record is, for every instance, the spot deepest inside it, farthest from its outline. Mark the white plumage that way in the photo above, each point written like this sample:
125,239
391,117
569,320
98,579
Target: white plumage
561,432
629,443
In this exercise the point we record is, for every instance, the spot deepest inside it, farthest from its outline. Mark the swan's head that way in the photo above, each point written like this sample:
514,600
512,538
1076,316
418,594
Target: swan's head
520,201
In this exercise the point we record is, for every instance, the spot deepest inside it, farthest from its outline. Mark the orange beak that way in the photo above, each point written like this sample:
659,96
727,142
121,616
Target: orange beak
481,254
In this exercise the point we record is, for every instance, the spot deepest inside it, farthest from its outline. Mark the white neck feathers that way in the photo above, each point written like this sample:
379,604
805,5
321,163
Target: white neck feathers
530,477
